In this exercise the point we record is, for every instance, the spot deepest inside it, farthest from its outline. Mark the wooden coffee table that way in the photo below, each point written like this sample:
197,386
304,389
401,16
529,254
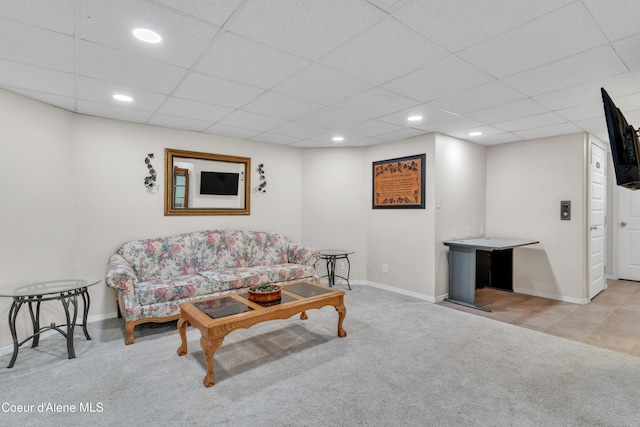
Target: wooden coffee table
217,317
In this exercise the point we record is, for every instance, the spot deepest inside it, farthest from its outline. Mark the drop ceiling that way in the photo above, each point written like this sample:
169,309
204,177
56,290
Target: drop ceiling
300,72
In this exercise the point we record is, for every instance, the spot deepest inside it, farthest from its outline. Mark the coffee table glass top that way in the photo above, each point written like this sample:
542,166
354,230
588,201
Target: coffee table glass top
48,287
220,307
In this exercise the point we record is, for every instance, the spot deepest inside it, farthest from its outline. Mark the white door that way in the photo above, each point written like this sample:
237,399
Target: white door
629,234
598,206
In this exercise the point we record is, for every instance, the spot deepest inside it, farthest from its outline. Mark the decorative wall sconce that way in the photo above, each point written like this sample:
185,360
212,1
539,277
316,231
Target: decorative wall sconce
150,181
262,187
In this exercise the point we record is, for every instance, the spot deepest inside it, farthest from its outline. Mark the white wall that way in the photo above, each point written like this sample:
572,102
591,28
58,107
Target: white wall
73,190
38,223
403,238
461,187
335,203
525,183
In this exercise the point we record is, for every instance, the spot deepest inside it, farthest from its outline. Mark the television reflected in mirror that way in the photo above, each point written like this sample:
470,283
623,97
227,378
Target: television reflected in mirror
625,147
219,183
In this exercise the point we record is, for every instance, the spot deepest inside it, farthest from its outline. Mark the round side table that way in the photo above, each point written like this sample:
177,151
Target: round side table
65,291
331,256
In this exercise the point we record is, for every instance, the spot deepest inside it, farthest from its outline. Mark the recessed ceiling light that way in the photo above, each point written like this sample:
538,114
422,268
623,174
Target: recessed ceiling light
337,138
147,35
123,98
475,133
415,118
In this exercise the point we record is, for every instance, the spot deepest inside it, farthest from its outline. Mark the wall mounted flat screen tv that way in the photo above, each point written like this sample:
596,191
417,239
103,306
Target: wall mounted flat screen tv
625,147
219,183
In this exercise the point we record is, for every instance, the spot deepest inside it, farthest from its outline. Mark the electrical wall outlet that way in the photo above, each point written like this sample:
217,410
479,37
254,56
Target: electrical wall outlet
385,268
342,265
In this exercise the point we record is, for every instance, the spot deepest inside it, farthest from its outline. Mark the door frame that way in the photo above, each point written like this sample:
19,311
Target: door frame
603,147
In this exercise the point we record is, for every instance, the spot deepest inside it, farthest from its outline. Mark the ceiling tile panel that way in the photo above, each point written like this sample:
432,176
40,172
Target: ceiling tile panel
111,24
212,90
248,120
542,132
595,64
336,86
216,12
298,130
187,108
272,138
456,25
282,106
429,114
331,118
66,102
582,112
525,123
102,92
564,32
372,128
618,19
174,122
54,15
375,103
24,76
307,28
242,60
236,132
511,110
124,114
445,77
384,52
36,46
628,50
450,125
107,64
479,98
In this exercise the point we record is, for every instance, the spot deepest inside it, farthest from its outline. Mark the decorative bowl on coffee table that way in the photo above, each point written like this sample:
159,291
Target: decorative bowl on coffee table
264,293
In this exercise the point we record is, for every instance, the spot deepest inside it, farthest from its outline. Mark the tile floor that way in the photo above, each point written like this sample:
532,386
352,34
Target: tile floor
611,320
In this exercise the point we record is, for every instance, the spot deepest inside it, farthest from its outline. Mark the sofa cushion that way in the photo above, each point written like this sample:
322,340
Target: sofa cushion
231,278
176,288
161,258
283,272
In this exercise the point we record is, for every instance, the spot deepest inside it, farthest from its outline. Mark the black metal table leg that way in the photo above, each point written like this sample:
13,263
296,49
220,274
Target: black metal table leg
13,314
86,302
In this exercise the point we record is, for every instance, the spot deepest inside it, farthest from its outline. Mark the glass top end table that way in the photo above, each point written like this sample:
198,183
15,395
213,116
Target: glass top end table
331,256
66,291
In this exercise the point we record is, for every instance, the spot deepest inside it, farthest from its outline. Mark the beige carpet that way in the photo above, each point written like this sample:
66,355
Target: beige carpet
405,362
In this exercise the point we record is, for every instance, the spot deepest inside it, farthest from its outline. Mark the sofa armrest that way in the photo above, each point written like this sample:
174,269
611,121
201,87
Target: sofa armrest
120,275
303,255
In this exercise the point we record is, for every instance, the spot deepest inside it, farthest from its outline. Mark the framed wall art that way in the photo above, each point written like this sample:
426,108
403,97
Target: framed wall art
399,183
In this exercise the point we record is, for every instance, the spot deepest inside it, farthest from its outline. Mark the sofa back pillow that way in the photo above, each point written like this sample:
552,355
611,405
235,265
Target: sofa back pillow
219,249
267,248
159,258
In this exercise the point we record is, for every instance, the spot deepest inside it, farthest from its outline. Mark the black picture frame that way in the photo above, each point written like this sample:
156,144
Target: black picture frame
399,183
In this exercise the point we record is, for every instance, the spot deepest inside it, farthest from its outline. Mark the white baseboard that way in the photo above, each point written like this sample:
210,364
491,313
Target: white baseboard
551,296
399,291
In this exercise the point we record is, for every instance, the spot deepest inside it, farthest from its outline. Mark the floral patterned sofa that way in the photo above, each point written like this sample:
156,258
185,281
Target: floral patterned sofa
153,276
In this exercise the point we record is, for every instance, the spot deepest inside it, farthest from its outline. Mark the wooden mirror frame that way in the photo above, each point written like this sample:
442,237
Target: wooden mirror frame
170,154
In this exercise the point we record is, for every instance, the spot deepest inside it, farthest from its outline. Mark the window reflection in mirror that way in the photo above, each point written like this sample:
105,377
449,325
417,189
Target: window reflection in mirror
206,183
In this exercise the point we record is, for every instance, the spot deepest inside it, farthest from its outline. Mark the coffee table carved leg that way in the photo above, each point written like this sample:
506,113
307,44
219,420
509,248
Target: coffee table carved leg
303,315
342,312
182,329
210,347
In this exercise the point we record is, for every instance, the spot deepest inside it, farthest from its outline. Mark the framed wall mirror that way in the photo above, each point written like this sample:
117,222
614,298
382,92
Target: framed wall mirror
206,183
